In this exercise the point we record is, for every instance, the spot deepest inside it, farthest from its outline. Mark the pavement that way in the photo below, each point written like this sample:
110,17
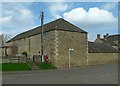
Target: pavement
100,74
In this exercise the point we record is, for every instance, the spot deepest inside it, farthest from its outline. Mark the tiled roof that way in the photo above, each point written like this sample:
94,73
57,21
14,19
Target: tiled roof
59,24
100,48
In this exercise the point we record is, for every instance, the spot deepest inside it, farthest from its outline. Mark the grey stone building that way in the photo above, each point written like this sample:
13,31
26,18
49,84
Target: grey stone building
3,47
103,50
59,37
1,50
112,40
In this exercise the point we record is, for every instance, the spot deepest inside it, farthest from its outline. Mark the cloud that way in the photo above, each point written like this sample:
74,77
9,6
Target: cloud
5,19
18,1
93,21
55,8
109,6
16,17
94,17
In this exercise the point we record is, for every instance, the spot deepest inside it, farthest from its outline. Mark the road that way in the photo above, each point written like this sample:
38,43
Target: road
102,74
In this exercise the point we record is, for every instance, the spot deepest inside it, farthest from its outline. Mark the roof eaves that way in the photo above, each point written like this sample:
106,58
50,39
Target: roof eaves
28,34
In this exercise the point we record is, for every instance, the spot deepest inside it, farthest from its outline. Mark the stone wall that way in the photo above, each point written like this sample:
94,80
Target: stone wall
66,40
35,44
49,46
1,52
32,45
102,58
56,45
9,50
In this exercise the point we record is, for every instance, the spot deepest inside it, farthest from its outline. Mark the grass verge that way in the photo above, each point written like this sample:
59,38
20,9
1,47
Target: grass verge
14,66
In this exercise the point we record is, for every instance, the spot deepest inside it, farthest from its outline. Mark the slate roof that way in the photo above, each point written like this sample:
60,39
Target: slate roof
59,24
109,42
101,48
114,37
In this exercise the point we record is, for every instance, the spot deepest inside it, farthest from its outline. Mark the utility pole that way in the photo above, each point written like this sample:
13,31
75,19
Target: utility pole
42,50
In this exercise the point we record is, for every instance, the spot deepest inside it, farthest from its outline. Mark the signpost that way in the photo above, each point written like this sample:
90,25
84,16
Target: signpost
69,58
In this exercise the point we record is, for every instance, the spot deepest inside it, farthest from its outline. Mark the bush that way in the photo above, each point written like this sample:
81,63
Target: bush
46,66
25,53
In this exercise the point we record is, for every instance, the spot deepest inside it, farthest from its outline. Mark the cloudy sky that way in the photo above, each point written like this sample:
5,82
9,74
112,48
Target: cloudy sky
93,17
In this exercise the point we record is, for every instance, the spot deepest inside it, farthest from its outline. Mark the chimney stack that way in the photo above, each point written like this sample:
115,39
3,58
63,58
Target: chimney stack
105,37
98,36
107,34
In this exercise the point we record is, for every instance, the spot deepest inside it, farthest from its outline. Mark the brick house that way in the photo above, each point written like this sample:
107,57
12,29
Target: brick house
59,37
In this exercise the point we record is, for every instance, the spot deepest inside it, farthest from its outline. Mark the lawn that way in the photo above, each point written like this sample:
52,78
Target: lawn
14,66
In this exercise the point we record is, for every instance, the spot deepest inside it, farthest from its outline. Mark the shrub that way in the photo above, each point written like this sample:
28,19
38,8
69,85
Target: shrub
46,66
25,53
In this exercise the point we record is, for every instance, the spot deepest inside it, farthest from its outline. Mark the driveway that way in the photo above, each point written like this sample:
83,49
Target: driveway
101,74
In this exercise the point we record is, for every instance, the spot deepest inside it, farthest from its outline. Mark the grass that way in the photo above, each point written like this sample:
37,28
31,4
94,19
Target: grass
14,66
46,66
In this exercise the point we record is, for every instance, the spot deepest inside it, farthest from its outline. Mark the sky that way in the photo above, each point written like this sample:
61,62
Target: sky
93,17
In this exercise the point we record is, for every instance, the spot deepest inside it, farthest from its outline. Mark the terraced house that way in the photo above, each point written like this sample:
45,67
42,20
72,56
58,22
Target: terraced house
59,37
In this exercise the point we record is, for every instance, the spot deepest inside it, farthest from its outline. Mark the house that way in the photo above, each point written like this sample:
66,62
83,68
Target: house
3,47
101,53
113,40
103,50
59,37
1,50
116,39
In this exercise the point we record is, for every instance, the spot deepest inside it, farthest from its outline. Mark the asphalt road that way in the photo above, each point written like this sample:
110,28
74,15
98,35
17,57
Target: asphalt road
102,74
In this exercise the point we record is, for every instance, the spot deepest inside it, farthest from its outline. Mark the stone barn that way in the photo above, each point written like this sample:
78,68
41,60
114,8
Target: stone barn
59,37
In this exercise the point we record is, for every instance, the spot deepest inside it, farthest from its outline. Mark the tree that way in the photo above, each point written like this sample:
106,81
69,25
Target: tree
5,37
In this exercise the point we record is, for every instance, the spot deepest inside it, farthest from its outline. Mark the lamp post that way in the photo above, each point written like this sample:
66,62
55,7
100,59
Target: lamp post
69,58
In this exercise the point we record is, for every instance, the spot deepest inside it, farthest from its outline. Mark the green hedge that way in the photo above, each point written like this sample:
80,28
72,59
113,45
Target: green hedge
25,53
14,66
